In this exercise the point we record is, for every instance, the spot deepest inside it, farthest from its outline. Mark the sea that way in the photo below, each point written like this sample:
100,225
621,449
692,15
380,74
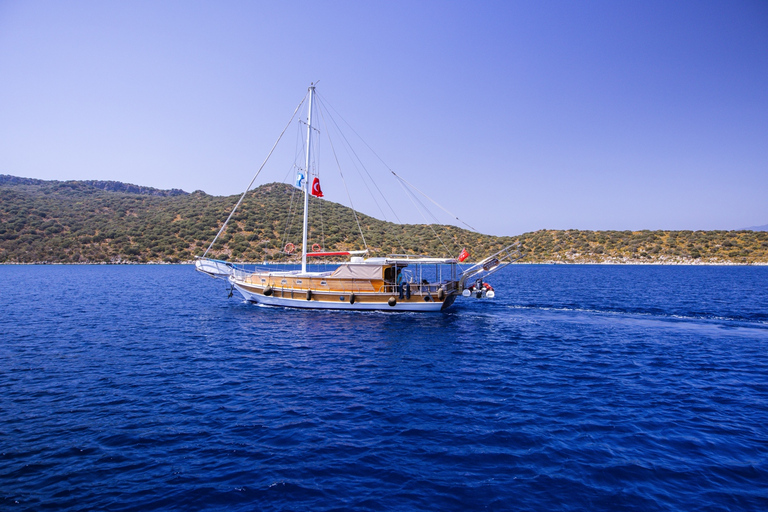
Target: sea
578,387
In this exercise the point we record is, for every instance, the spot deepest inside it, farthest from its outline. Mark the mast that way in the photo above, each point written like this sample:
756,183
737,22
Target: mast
306,183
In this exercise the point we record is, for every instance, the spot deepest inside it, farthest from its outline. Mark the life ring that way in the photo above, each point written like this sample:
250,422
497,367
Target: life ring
289,248
316,247
488,287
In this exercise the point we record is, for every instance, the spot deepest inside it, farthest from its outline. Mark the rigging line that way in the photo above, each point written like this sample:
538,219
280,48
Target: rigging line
358,158
435,220
362,178
413,197
291,169
301,149
432,200
348,147
289,222
393,172
322,226
417,202
255,176
333,150
291,217
297,151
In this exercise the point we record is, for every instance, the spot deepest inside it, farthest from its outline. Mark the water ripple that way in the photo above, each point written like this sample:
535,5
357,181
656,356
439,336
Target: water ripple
601,388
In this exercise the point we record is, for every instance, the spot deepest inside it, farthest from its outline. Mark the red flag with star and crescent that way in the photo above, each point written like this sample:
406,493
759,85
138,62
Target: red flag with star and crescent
463,255
316,187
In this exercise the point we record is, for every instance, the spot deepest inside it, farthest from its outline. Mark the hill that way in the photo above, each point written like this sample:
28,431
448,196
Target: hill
103,221
77,221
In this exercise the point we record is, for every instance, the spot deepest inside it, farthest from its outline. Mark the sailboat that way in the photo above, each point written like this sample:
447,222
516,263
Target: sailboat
395,282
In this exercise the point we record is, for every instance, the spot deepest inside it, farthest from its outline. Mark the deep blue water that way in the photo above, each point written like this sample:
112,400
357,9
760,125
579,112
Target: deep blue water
577,388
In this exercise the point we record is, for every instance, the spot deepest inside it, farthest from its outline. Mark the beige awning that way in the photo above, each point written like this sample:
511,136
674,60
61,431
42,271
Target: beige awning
358,271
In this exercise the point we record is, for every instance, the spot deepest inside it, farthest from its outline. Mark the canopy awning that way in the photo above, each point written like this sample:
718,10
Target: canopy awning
358,271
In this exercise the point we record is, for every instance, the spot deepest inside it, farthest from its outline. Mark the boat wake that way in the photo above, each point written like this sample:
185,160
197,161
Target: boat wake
735,321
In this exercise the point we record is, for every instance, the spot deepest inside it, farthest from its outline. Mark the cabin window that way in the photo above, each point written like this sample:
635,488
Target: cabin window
298,281
284,281
263,280
323,283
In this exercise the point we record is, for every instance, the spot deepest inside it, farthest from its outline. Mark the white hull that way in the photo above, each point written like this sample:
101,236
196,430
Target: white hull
302,303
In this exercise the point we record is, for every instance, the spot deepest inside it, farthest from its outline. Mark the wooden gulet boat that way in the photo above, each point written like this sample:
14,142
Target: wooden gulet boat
396,282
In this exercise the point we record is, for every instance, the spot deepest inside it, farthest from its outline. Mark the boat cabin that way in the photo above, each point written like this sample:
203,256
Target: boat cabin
422,275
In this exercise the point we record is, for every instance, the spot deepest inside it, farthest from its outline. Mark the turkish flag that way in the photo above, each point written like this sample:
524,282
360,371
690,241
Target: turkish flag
464,254
316,187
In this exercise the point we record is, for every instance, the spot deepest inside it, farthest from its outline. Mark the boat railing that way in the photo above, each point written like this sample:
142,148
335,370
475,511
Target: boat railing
422,288
240,273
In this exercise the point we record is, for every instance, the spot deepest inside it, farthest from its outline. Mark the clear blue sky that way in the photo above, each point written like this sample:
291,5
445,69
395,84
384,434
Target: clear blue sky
516,115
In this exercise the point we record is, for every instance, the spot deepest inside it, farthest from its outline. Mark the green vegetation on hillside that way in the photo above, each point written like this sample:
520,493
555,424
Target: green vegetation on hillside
71,222
574,246
80,222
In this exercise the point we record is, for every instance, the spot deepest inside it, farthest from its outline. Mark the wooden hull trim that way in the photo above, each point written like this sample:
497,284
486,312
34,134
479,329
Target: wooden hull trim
364,303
